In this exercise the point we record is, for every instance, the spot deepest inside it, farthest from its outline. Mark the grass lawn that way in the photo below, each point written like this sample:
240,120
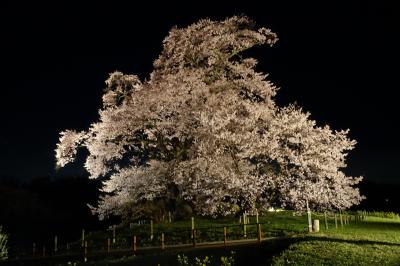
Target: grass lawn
375,241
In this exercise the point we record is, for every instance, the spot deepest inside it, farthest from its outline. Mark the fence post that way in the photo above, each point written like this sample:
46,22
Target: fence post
34,249
224,235
55,244
326,221
44,251
108,245
259,233
162,241
169,217
134,246
194,237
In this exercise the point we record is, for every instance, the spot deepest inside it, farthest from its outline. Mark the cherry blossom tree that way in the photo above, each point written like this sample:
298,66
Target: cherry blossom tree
204,129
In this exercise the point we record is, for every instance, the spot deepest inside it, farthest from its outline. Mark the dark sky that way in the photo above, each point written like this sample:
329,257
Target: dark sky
338,61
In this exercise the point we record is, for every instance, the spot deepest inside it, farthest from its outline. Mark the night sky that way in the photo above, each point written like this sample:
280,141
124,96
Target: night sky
340,62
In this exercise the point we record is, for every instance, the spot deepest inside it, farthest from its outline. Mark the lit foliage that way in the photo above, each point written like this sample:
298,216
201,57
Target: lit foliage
205,128
3,245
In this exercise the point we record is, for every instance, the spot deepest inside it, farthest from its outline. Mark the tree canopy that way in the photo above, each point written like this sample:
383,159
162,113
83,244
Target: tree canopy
205,129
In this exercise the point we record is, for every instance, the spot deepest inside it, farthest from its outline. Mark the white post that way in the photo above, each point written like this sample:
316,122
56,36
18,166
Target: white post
151,229
309,217
55,244
169,216
316,226
256,216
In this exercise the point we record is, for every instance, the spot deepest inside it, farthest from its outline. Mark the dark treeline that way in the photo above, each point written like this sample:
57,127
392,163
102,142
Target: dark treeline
380,197
38,209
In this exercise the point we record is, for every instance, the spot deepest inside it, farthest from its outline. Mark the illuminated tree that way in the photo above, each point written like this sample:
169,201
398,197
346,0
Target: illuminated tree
205,129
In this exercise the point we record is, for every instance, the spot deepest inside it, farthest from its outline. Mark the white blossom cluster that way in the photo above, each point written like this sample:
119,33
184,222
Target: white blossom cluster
206,124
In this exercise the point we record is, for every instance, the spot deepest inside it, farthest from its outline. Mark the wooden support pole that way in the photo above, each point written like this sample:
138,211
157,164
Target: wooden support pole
259,233
114,234
224,235
194,237
192,227
336,226
55,244
256,216
134,246
309,218
341,219
169,217
85,251
108,245
151,230
244,225
162,241
83,237
326,221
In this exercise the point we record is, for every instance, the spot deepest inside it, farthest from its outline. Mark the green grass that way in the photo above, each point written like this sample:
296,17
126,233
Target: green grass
375,241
